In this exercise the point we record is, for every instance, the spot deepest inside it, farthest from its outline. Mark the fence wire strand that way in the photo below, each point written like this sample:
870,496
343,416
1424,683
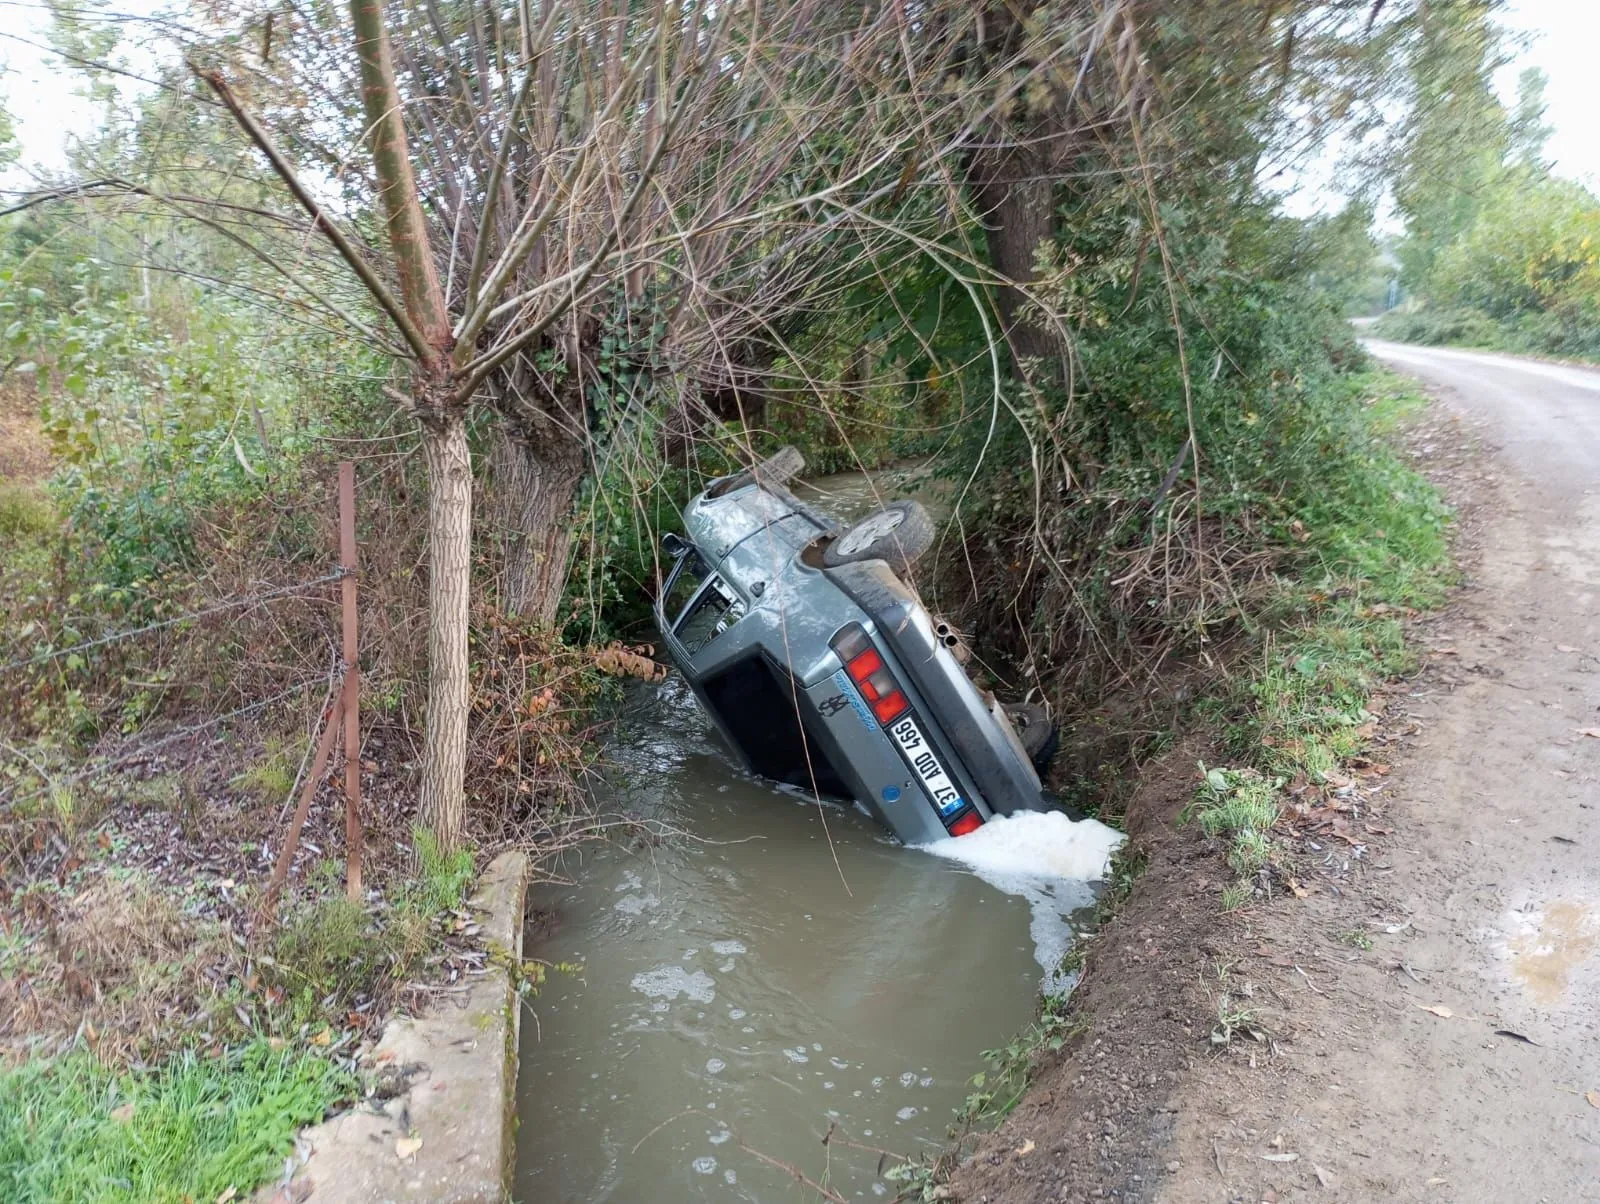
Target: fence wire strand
145,750
284,591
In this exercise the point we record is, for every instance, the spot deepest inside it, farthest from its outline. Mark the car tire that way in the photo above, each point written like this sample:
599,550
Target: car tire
898,534
777,468
1039,736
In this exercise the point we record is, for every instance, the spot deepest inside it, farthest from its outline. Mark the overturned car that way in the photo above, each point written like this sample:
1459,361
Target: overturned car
821,668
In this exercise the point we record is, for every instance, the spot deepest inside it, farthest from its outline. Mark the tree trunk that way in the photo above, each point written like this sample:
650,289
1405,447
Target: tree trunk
1015,202
535,486
444,445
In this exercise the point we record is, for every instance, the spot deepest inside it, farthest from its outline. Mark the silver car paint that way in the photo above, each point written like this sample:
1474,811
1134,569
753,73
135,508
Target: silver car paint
751,539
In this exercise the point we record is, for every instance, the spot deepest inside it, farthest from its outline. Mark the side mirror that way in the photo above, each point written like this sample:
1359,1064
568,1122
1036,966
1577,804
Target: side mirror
674,545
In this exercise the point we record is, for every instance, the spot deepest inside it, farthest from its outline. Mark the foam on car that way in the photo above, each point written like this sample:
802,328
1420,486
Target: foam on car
1046,859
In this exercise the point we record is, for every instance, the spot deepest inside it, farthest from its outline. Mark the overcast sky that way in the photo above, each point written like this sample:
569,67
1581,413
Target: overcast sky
1564,40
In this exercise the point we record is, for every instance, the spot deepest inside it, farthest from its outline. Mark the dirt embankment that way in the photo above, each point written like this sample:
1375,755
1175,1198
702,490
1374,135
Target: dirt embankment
1417,1020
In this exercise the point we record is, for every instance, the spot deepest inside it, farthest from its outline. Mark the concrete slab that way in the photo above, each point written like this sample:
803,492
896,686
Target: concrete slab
445,1134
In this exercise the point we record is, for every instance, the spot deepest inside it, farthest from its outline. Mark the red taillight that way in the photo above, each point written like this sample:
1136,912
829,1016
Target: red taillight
890,707
865,665
970,822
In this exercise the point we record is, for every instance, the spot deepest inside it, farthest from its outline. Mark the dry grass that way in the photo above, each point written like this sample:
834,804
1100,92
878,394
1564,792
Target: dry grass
24,451
116,964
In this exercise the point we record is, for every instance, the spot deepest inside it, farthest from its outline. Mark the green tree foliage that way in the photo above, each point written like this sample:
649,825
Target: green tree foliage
1497,250
1455,136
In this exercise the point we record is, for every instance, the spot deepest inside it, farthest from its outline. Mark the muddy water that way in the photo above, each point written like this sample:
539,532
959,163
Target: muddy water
770,969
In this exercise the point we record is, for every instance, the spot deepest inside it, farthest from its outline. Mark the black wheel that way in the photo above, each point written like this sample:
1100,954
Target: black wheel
777,468
1039,736
898,534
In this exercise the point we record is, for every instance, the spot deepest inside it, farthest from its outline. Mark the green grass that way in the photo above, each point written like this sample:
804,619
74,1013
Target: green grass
75,1132
1374,546
442,878
25,513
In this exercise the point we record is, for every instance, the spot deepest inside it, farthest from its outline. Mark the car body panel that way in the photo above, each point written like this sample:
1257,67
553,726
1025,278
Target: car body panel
754,643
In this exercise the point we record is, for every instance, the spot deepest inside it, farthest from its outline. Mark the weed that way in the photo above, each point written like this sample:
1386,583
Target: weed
1127,863
442,878
1235,895
26,514
997,1090
1359,938
1240,806
198,1128
271,779
1235,1018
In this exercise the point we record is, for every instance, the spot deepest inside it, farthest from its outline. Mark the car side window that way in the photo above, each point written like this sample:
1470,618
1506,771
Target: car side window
717,609
682,584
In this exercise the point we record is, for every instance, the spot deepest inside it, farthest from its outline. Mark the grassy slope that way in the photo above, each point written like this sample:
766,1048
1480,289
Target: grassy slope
1374,548
73,1131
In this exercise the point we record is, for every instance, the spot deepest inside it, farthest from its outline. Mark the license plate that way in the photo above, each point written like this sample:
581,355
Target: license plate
914,747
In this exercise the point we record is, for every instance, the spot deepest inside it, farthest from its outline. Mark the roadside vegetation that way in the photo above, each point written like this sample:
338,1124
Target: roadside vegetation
1069,286
1498,252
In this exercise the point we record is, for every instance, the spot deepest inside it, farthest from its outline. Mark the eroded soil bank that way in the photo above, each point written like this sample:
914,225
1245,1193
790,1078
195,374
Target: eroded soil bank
1415,1018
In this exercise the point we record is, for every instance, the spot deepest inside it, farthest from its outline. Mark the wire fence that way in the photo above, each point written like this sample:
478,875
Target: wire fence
116,637
340,711
146,749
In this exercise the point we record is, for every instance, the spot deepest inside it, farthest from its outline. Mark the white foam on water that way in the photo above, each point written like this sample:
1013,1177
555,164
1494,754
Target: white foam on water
671,981
727,948
705,1166
1046,859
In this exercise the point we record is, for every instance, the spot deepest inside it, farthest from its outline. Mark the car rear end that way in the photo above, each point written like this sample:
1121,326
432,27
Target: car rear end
834,680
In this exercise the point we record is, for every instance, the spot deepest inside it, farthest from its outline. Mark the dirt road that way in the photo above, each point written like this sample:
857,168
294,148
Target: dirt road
1424,1024
1408,1076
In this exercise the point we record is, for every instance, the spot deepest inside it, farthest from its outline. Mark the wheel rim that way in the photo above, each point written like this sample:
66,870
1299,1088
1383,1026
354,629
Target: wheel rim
869,531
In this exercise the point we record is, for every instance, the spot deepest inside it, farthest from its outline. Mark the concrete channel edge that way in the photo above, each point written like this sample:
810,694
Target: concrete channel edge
441,1127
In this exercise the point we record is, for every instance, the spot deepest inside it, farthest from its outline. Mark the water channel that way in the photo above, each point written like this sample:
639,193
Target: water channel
771,969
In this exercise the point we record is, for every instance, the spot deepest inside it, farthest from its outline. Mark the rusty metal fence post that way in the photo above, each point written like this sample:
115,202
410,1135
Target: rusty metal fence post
352,682
343,710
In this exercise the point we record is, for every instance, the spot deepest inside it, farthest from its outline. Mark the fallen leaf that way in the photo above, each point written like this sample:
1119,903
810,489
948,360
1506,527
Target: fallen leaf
228,1195
1298,891
322,1038
1594,1099
1592,732
405,1147
1280,1157
123,1114
1025,1148
1565,648
1380,830
1444,651
1322,1176
1514,1035
1443,1013
1436,1182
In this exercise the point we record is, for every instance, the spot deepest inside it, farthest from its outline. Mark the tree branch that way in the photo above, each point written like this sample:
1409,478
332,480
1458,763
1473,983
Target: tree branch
347,250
